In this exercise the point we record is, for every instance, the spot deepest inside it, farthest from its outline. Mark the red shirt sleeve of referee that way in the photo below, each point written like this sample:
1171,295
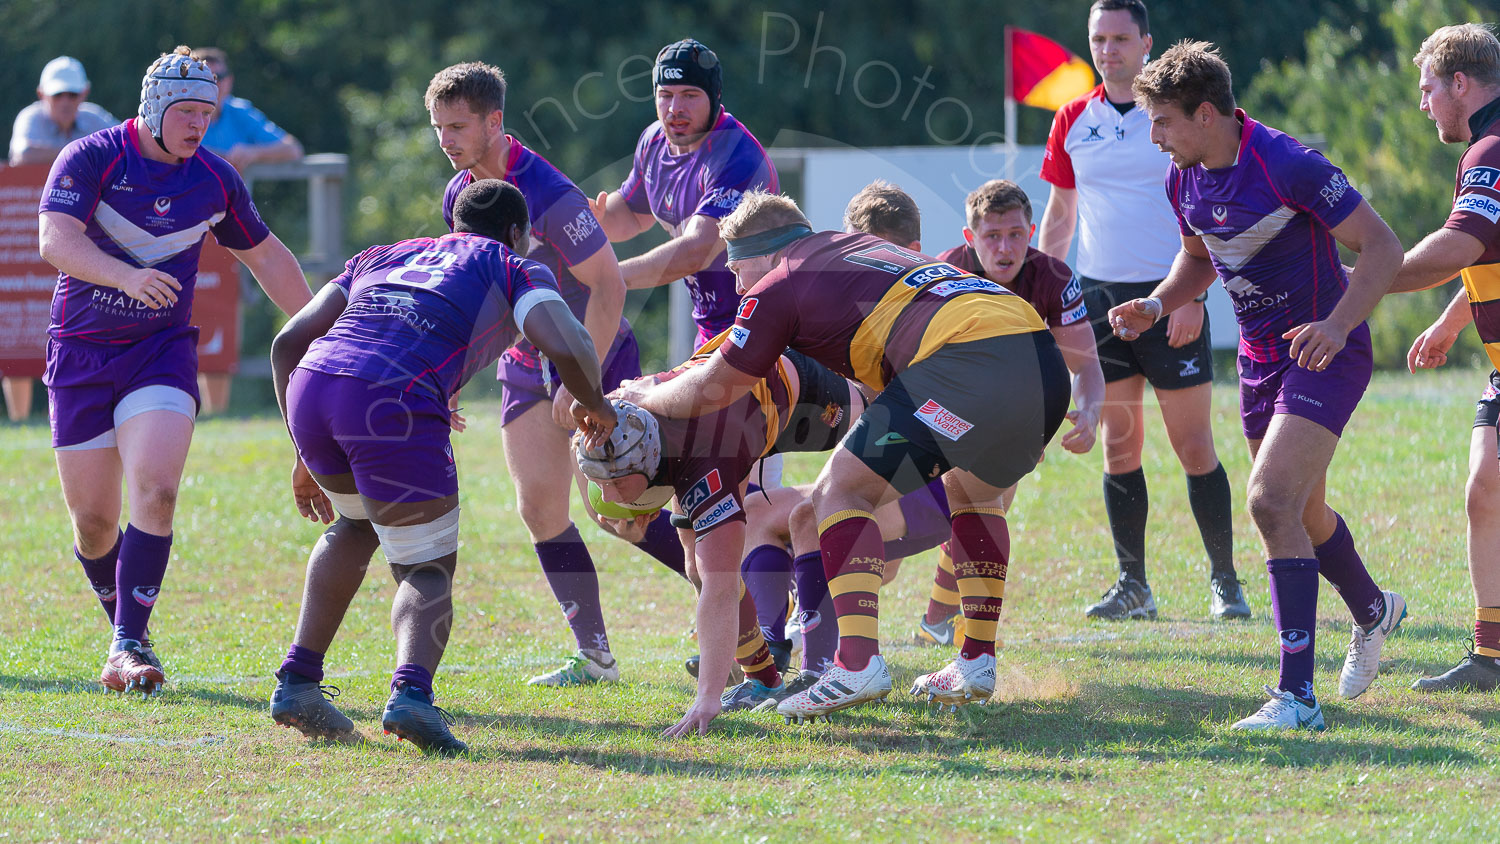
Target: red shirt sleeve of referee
764,326
1476,198
1057,165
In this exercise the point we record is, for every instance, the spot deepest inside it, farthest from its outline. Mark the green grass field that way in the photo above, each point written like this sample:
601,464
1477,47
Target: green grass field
1097,731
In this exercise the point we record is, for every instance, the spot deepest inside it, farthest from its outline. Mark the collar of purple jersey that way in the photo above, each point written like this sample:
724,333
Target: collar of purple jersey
768,242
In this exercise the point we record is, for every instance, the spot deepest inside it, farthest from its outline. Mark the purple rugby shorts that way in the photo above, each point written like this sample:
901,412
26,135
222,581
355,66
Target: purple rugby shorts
86,380
1327,398
395,443
520,373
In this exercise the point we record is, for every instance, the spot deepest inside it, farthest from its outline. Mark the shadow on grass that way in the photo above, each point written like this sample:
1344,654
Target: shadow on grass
1134,722
74,685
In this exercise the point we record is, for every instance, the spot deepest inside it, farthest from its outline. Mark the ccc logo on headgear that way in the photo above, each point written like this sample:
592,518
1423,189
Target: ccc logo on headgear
671,73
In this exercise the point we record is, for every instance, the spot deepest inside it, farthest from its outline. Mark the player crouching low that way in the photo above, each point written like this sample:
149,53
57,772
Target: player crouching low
971,387
363,376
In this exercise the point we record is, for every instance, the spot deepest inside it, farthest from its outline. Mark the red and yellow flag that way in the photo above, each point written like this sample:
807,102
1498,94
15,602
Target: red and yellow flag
1044,73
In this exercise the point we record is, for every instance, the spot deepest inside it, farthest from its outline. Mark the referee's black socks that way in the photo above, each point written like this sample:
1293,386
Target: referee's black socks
1126,505
1210,499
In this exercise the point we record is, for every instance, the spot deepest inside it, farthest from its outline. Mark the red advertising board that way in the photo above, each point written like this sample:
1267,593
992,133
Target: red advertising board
27,282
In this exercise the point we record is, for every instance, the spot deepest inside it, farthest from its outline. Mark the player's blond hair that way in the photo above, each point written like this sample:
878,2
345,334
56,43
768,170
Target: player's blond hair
760,211
1467,48
886,211
996,196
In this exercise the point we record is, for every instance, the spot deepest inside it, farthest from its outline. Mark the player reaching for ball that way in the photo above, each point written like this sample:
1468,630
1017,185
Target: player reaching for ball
363,376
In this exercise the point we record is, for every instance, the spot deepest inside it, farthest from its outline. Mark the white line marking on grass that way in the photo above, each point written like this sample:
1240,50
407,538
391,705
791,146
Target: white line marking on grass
83,734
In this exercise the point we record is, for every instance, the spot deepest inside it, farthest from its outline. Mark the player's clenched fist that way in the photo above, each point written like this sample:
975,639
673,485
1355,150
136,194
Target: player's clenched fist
1130,320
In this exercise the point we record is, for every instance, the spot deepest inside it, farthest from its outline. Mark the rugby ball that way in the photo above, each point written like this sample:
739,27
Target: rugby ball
611,510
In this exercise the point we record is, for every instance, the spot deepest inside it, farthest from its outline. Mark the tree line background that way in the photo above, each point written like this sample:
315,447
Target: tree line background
348,77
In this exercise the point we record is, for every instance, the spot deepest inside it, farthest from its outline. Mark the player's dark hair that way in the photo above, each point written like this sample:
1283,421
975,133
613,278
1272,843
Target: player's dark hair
1188,74
490,207
1136,8
886,211
479,86
214,56
996,196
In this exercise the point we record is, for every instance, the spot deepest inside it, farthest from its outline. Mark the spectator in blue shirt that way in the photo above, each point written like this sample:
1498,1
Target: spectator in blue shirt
240,133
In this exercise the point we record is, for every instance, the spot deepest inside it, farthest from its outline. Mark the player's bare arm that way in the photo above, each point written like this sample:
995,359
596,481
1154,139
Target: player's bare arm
696,248
1192,272
718,554
701,389
1314,345
1076,342
550,327
1430,349
600,273
616,218
1439,257
66,245
276,270
1058,222
287,349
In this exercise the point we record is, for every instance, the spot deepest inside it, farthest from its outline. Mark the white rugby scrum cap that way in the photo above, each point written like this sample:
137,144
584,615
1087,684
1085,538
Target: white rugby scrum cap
175,78
634,446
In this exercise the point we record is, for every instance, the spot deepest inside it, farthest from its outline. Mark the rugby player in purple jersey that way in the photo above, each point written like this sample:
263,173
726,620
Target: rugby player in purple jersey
690,169
1266,214
466,103
123,218
364,376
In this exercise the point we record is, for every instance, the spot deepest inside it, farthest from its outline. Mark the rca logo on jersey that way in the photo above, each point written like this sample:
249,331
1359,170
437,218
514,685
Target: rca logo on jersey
739,335
721,511
747,308
706,487
1480,177
1335,189
162,205
1294,641
581,227
1481,205
1221,214
936,272
670,72
1073,290
940,419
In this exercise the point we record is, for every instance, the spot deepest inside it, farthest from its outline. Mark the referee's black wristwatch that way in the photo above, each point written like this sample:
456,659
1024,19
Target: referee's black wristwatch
1201,297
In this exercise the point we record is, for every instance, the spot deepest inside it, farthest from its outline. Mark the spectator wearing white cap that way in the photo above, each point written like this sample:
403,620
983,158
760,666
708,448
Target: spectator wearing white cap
62,113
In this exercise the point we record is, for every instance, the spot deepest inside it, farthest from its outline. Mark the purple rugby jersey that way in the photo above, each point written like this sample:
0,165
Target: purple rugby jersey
563,229
147,214
427,313
708,181
1266,221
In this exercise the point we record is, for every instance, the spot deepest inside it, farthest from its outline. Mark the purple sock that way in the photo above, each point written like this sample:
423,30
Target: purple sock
575,583
413,675
303,662
820,628
662,544
139,571
101,575
767,571
1294,605
1340,564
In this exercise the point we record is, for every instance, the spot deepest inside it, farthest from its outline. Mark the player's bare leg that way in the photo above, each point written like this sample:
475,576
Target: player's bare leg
534,449
1186,414
1479,670
1125,501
